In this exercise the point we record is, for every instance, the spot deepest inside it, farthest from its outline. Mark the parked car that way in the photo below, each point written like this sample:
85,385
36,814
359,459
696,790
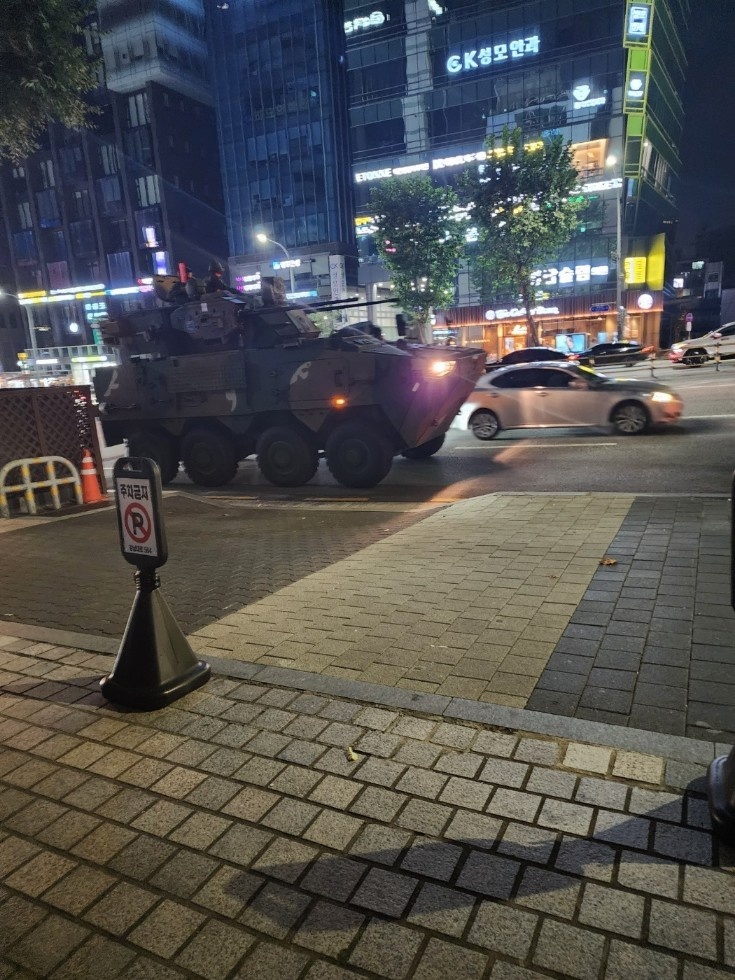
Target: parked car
615,352
702,349
542,396
525,355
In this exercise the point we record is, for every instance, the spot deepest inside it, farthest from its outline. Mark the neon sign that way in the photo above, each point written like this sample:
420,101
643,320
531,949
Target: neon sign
519,311
568,275
493,54
638,24
583,98
248,284
376,19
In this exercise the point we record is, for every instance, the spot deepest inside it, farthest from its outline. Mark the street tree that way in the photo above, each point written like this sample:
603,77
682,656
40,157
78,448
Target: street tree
523,204
420,242
44,71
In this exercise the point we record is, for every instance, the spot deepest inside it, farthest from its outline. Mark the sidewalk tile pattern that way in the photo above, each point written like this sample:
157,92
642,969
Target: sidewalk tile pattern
605,607
650,645
471,603
222,556
193,858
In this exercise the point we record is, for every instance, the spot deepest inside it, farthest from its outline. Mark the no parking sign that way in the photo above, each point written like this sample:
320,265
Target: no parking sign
138,492
155,664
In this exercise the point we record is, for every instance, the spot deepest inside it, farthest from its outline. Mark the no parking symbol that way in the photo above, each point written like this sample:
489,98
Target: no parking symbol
136,518
137,523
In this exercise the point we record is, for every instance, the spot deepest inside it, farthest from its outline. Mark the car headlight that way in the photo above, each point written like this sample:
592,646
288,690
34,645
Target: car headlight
661,396
440,369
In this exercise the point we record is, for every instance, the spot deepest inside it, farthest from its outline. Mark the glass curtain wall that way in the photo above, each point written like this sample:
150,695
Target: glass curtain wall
283,126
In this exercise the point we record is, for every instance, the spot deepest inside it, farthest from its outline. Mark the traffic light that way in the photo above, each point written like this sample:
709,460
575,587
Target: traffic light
401,324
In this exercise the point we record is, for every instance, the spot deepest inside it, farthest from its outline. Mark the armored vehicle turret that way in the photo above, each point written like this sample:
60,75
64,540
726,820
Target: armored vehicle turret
214,380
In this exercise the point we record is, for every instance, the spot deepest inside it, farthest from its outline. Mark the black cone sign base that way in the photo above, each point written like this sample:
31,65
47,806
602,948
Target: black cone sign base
721,796
155,664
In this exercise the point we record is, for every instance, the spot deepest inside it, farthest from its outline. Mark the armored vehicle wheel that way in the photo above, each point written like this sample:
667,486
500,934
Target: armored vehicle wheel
629,419
484,424
210,457
158,446
285,458
358,455
426,449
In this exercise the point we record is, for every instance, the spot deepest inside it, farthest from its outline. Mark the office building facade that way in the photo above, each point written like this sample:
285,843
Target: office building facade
430,80
93,214
280,80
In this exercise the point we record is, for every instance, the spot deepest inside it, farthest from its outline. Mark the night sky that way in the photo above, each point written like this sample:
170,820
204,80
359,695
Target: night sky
707,192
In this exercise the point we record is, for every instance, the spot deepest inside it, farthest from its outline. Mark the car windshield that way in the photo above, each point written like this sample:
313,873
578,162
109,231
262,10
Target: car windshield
587,374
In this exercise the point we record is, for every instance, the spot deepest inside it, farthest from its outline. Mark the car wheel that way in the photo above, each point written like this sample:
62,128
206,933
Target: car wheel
210,456
426,449
285,458
159,446
484,424
630,419
358,455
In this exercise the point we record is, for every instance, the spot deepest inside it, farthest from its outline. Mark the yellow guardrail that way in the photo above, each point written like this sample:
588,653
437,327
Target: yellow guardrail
28,487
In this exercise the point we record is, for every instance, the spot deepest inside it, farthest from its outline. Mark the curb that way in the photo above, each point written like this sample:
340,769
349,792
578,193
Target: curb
673,747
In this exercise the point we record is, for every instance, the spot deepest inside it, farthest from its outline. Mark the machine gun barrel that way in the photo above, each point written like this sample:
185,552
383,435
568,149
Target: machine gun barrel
341,304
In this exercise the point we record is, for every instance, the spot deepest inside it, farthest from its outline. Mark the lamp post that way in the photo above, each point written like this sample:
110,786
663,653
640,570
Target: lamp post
620,265
29,320
263,239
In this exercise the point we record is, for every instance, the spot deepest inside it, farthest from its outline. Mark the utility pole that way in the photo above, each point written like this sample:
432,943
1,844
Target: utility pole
620,312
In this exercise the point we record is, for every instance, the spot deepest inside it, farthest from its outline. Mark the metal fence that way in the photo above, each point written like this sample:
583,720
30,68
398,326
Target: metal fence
55,421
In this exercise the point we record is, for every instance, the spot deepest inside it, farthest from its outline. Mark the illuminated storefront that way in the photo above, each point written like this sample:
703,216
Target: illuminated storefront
431,81
571,323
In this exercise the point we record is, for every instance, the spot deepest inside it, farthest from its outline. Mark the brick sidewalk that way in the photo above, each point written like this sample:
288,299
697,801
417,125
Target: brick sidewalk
604,607
469,603
259,832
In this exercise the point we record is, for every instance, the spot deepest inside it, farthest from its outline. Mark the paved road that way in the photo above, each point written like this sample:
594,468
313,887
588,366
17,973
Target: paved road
687,458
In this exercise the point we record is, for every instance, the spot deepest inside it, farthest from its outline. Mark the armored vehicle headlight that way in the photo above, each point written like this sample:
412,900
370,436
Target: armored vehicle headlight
440,369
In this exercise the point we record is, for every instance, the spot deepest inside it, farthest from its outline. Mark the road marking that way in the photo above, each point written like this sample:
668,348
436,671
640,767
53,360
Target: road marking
687,418
313,503
720,384
540,445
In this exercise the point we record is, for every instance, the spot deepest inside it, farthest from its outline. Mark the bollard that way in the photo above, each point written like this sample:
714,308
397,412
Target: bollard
721,772
155,664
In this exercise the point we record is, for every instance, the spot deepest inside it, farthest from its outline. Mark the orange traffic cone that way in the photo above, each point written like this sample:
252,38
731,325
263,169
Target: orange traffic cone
91,493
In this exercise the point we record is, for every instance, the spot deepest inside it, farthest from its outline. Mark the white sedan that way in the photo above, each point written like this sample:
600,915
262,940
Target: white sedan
547,395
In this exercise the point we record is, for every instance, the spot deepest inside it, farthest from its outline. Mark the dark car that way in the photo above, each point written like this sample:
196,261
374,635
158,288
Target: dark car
617,352
525,355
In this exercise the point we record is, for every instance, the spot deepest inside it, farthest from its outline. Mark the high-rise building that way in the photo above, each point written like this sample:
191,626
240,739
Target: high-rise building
94,213
429,80
281,102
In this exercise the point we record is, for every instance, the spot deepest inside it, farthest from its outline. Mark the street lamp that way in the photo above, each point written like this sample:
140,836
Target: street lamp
29,319
611,162
263,239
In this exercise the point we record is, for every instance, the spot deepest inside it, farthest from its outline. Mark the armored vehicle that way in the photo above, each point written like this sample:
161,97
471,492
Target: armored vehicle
219,378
